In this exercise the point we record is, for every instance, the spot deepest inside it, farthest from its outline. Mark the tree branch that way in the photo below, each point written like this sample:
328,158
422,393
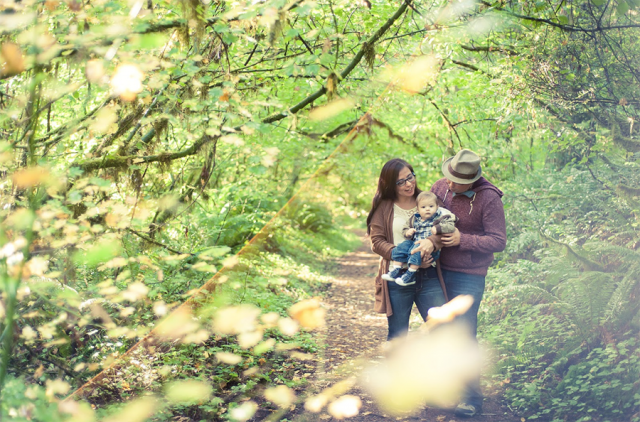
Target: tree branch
354,62
119,162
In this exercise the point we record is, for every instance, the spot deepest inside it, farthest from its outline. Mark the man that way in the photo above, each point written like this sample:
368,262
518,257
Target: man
468,252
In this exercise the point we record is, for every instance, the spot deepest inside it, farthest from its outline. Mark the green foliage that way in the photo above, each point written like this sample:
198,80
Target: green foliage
575,328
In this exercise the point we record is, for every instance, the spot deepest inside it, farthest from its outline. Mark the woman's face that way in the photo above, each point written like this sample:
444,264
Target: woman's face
409,186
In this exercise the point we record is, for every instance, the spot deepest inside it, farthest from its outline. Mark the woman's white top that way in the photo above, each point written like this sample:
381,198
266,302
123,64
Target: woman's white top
400,219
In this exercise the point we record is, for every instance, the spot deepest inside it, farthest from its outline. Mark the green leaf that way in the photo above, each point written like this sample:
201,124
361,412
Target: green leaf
98,253
623,7
151,41
216,251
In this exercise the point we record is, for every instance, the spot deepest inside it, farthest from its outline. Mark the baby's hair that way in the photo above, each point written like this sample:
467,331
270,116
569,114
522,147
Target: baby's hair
427,195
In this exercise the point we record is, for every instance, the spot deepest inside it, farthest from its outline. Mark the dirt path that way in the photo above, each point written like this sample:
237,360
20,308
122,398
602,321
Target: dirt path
355,331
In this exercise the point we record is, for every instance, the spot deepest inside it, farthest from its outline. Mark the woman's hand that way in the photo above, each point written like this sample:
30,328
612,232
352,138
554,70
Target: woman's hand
425,247
451,239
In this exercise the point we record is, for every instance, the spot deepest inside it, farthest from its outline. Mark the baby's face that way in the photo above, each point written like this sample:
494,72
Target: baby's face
427,208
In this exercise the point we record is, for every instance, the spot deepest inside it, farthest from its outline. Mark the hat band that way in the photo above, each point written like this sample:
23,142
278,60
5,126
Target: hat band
461,175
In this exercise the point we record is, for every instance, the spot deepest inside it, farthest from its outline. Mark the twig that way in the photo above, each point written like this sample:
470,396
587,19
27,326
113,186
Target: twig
148,239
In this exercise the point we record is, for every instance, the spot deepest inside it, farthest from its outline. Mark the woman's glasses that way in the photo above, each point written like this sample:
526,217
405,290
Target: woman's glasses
401,182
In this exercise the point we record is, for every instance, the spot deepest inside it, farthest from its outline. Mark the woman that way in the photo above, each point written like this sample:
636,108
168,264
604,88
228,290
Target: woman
393,204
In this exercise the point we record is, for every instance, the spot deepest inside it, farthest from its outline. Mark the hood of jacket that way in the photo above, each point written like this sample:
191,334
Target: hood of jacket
483,184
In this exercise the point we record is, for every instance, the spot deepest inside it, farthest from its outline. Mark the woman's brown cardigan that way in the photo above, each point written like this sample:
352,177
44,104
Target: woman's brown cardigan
381,230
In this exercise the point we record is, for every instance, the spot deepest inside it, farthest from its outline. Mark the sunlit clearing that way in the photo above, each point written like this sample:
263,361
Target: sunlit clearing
428,368
331,110
281,395
188,392
308,313
126,82
235,319
244,412
135,411
345,407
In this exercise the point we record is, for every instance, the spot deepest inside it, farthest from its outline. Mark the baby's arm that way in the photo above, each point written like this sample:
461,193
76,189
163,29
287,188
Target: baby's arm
445,224
408,231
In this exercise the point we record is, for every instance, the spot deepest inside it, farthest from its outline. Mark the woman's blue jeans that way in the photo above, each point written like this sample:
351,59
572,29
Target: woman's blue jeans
426,293
468,284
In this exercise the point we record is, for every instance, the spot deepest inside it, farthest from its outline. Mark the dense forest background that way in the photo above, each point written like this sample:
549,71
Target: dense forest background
208,160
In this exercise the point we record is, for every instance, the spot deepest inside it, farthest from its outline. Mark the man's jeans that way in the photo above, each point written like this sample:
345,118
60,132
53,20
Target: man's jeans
468,284
426,293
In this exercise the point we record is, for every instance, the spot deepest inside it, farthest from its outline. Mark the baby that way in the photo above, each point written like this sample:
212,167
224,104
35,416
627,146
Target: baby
429,220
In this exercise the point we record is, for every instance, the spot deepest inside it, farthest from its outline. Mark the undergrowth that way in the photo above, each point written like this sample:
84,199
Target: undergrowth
561,306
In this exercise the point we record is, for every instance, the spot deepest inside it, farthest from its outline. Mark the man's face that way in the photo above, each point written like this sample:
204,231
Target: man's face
426,208
457,187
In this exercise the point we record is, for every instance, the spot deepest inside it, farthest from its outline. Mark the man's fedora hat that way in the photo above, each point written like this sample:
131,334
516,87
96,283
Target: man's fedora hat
463,168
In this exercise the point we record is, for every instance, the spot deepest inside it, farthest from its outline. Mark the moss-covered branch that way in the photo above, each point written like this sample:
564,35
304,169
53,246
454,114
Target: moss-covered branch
586,263
121,162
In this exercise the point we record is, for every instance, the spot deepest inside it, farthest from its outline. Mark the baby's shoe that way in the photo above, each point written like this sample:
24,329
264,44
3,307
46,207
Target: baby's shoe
393,274
407,278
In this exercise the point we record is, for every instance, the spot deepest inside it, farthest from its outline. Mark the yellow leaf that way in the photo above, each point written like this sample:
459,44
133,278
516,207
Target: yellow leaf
12,60
135,292
30,177
332,109
345,407
135,411
316,403
308,313
288,327
178,324
228,358
281,395
56,386
231,261
94,71
414,76
104,119
447,312
249,339
236,319
188,392
126,82
244,412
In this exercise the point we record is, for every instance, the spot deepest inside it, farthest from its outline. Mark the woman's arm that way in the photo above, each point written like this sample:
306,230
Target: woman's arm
379,242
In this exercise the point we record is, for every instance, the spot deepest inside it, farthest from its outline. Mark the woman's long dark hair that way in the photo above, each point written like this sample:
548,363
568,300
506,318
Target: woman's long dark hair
387,185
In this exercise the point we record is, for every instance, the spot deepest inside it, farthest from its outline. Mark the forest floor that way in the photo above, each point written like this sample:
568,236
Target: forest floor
354,334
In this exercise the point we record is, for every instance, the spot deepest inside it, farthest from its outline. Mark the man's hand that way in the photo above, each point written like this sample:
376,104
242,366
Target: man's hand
451,239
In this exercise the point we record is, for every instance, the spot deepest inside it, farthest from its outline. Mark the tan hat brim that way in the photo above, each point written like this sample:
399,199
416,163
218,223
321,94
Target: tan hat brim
449,176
